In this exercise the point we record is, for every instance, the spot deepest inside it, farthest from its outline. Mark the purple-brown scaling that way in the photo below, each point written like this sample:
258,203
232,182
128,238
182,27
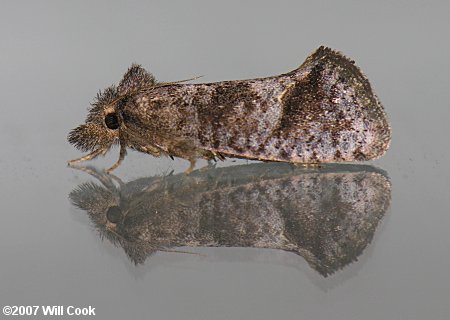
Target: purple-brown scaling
323,111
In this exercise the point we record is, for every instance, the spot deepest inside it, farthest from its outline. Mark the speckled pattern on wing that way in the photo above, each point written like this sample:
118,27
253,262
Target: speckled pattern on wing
325,111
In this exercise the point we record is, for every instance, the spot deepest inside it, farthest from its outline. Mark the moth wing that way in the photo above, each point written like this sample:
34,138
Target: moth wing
324,111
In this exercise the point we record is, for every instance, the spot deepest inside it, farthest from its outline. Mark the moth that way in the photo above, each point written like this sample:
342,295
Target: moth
324,111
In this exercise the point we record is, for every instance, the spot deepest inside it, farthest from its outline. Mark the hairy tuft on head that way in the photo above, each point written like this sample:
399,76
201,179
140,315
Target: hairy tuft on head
88,137
134,79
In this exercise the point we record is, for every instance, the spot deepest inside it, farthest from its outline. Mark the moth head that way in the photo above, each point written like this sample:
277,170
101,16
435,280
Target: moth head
102,127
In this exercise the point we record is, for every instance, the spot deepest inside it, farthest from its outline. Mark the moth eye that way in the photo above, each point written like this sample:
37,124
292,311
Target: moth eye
114,214
112,121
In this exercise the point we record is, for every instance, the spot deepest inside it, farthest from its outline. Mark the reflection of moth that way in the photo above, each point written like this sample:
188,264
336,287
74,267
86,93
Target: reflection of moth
323,111
327,216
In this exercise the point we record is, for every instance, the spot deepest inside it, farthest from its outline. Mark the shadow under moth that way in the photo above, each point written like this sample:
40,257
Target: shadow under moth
324,111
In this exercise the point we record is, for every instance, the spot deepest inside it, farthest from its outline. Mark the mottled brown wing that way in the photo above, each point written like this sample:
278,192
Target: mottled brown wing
324,111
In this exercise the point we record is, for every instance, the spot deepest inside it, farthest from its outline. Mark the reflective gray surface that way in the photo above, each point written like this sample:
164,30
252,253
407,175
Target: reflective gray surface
56,55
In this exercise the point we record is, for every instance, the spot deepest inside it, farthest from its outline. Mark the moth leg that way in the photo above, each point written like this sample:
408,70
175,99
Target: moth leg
123,153
220,156
191,167
89,156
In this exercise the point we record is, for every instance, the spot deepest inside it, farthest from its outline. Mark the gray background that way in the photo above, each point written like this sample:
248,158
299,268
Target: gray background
56,55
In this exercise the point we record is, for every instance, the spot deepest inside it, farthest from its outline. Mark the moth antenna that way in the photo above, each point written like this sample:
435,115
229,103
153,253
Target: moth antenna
163,84
149,87
180,81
